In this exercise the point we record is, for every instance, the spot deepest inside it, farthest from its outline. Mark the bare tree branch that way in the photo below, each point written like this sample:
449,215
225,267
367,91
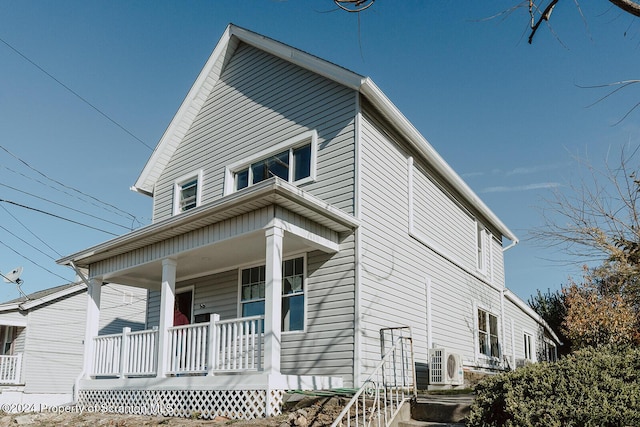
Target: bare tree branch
628,6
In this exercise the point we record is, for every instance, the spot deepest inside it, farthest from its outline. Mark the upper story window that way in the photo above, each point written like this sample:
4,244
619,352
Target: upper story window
481,247
293,160
186,193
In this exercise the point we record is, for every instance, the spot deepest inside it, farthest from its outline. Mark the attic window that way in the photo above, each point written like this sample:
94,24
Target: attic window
292,161
187,191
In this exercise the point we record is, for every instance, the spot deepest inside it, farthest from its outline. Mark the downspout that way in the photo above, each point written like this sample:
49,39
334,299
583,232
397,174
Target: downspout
512,244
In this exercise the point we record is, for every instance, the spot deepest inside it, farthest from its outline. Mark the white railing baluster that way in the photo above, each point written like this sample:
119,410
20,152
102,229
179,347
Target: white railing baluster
10,367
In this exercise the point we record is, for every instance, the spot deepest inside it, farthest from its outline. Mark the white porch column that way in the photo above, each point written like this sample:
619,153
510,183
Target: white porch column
273,300
167,301
94,290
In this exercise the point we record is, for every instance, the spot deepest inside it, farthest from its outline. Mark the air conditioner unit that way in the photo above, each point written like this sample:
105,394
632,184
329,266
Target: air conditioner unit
445,368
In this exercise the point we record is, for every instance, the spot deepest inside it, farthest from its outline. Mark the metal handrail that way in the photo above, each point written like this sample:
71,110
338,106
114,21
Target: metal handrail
382,394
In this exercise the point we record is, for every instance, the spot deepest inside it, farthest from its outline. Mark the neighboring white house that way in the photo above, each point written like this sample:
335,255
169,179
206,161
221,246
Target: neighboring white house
42,339
291,197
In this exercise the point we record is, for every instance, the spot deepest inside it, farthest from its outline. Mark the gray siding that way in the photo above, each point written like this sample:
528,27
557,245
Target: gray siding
397,266
54,345
122,306
326,347
258,102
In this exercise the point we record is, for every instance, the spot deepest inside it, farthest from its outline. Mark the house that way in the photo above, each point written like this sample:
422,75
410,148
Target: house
296,214
42,339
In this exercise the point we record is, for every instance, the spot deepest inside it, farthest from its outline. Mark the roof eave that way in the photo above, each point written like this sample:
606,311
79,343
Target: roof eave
265,191
387,108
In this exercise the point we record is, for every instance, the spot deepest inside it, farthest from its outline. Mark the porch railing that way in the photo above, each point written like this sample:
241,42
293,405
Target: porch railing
218,346
126,354
10,367
205,348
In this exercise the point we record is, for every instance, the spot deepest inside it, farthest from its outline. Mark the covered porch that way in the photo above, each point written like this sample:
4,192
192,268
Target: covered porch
230,353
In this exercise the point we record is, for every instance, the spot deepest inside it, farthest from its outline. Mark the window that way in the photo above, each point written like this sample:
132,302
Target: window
7,335
187,191
550,351
528,346
481,247
488,343
293,161
252,293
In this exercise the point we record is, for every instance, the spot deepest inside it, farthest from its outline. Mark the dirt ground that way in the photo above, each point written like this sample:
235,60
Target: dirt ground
307,412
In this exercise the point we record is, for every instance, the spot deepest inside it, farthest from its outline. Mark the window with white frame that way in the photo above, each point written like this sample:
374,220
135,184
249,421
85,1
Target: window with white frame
550,351
252,282
481,247
528,346
293,161
488,343
186,193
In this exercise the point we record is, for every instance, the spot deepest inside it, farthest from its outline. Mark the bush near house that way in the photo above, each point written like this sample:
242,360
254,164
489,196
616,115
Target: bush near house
592,387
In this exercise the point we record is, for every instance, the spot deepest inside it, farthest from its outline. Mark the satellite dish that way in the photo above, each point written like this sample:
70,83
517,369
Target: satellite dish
13,276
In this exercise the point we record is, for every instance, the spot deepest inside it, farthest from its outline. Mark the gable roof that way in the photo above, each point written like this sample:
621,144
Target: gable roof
212,70
44,296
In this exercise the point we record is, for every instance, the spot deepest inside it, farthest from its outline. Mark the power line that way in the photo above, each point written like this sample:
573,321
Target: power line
64,206
76,94
56,216
32,261
29,230
129,215
27,243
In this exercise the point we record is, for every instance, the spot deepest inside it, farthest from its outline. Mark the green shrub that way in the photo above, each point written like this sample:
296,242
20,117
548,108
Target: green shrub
592,387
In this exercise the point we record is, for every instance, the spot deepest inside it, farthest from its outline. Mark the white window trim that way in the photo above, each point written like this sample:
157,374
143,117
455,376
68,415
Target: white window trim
483,239
292,143
183,290
481,357
304,287
533,345
177,186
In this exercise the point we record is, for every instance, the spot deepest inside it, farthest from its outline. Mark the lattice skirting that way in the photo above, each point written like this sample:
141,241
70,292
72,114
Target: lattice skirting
234,404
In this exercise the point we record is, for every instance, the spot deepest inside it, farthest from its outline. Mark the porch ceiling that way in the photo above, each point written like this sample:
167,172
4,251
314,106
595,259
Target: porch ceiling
273,191
222,256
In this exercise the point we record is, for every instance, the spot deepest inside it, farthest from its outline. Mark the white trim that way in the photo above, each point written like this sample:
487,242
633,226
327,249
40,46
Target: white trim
531,313
513,343
177,187
317,242
290,144
185,289
357,325
28,305
534,345
482,358
285,258
429,312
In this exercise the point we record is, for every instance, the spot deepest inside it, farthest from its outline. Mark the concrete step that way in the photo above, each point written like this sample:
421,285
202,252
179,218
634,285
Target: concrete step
442,409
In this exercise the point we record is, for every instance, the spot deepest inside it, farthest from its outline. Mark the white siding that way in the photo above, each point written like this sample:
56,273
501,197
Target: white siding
396,265
52,342
54,345
258,102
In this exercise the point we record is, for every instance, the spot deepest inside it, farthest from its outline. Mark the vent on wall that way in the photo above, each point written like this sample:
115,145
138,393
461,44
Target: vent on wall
445,368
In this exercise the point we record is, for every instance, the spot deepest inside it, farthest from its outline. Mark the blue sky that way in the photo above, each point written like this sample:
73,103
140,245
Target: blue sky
507,116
